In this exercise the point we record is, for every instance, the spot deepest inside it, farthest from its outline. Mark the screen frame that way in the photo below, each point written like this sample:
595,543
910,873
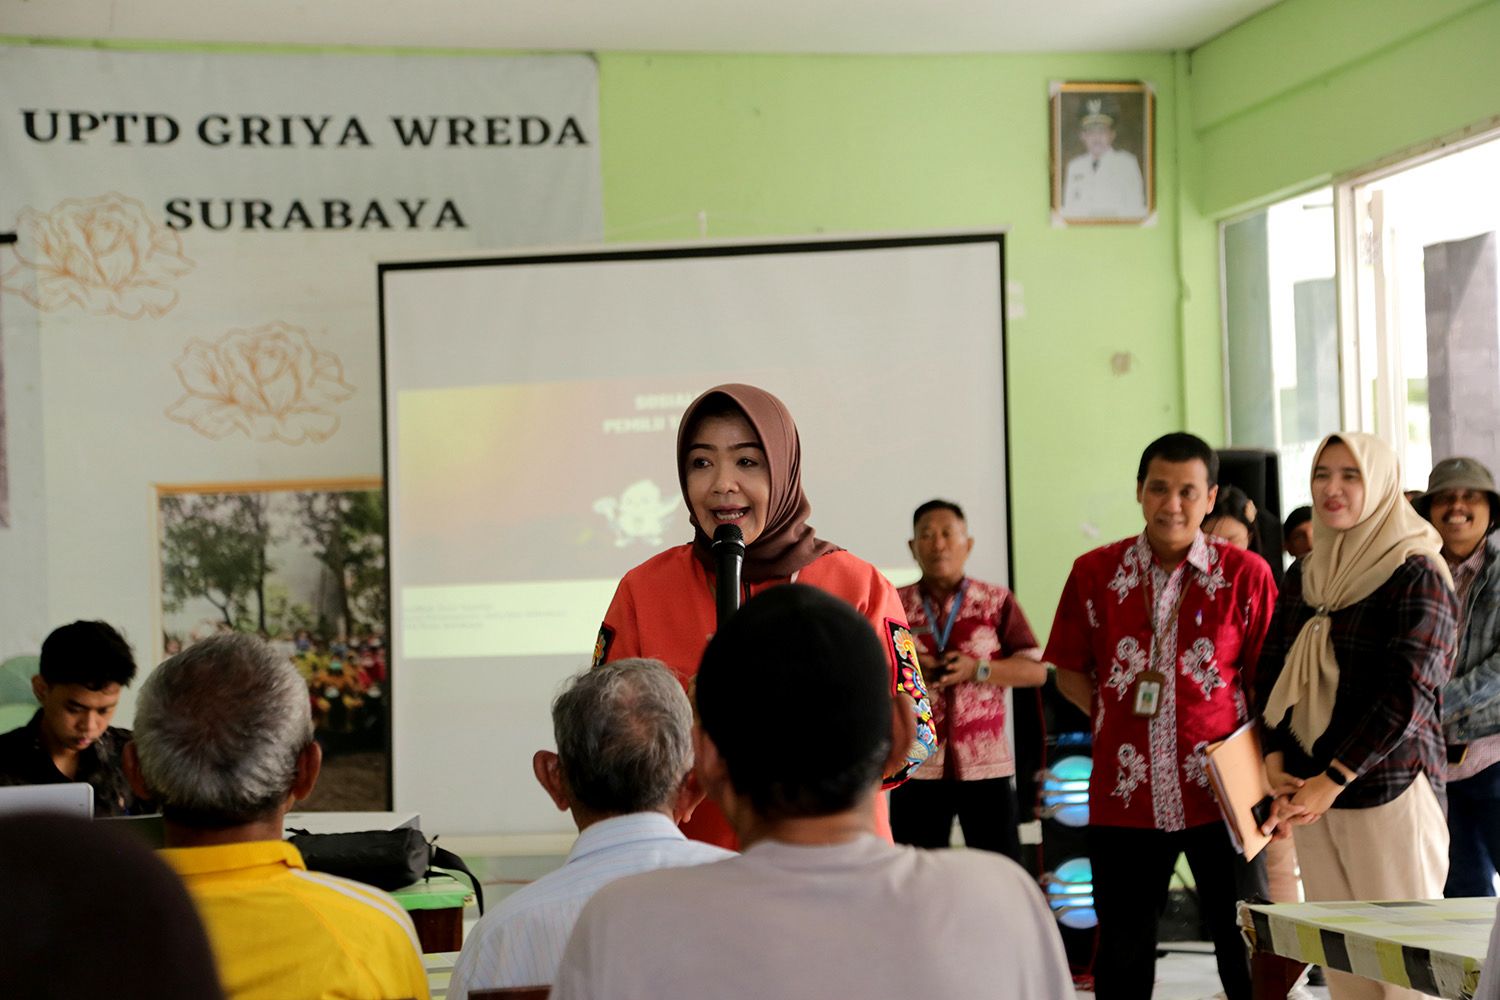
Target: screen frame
663,251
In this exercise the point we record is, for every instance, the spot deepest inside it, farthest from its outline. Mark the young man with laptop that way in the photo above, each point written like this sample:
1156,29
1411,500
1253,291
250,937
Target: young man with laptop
84,667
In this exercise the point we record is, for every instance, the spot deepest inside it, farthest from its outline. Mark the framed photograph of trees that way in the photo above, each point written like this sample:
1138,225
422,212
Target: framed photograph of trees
302,564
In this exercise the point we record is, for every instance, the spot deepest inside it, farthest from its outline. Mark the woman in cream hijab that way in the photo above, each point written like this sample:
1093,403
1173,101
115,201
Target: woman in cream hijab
1348,691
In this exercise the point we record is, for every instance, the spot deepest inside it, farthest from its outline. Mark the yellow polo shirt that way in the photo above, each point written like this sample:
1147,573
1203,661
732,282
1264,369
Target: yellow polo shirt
281,932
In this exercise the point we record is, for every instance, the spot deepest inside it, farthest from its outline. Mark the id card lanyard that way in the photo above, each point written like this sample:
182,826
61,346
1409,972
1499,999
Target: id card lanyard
941,638
1151,684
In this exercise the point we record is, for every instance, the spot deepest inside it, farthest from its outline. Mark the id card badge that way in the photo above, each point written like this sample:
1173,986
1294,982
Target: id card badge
1148,694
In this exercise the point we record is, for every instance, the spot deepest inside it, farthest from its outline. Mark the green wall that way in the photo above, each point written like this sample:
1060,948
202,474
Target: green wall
1313,89
788,145
785,145
1301,96
793,145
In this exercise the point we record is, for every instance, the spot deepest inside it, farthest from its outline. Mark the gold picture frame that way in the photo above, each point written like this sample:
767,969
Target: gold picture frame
1103,153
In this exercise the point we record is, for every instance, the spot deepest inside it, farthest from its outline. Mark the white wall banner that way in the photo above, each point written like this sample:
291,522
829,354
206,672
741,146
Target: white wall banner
192,296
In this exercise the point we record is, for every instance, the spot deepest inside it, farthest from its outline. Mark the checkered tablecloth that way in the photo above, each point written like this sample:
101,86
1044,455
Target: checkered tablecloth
439,966
1433,945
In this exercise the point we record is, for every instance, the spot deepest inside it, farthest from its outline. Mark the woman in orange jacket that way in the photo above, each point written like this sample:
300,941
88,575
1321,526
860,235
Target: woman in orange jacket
739,462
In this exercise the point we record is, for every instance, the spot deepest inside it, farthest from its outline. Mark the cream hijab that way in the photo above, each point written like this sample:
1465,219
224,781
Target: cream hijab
1343,568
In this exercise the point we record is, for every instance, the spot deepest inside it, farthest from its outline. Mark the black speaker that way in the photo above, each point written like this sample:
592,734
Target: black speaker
1049,729
1258,472
1053,765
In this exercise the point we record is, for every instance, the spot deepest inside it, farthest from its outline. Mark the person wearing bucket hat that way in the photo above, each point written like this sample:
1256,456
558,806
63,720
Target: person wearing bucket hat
1462,505
1348,693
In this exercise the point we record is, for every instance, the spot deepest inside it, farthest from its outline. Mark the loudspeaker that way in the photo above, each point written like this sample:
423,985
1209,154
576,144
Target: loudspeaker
1258,472
1053,766
1048,730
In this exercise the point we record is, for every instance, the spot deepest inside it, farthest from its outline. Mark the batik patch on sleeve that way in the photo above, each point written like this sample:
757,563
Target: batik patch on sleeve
909,681
602,644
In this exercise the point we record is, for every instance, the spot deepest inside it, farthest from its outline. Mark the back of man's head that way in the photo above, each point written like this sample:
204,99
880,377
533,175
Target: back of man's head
70,885
218,731
795,692
624,736
92,654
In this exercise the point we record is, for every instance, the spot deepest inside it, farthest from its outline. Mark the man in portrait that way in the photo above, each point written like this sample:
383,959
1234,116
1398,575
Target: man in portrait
1102,182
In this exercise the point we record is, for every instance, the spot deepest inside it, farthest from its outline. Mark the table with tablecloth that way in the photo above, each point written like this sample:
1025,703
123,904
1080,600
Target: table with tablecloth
1436,946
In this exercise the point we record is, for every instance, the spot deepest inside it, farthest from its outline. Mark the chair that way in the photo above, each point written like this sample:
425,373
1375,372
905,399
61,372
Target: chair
17,703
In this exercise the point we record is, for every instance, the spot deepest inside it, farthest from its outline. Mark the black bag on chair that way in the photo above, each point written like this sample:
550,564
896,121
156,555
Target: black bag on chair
386,859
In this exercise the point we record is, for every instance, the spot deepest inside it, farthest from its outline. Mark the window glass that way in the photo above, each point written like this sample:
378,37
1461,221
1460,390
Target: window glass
1281,333
1427,315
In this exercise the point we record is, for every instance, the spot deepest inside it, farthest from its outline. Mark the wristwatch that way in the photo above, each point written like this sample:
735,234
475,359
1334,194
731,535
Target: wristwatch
1336,776
982,672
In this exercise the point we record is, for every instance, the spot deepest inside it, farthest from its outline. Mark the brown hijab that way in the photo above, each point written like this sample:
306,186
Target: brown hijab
787,543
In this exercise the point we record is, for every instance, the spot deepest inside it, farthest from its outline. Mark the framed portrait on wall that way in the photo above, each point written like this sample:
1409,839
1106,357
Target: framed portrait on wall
302,565
1103,153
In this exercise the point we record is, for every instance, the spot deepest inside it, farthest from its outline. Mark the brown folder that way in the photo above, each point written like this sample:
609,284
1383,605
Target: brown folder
1237,773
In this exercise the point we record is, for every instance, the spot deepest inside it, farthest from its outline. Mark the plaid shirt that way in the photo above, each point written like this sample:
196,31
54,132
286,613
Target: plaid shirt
1395,651
1484,751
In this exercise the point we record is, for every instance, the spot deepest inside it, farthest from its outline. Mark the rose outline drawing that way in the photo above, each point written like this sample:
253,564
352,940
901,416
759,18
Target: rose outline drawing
104,254
269,382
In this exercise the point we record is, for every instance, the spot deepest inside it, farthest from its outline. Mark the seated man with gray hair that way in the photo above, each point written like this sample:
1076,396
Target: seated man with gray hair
224,742
624,735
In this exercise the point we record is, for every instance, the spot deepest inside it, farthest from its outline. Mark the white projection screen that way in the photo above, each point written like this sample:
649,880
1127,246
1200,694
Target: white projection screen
531,408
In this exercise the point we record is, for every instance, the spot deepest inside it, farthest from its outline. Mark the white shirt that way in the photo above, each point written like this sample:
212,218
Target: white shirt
1108,188
519,942
863,919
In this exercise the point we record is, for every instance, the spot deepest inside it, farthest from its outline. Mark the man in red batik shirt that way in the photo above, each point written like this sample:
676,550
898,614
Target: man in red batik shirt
973,642
1155,636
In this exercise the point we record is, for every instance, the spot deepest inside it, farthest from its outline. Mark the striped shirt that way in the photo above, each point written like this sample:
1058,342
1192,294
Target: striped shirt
279,931
1485,751
520,941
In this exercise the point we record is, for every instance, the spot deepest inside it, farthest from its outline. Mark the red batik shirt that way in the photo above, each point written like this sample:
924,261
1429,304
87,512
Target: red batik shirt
1116,621
970,717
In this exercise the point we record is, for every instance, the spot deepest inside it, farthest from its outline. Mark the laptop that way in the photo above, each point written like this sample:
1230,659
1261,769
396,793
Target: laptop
75,798
148,829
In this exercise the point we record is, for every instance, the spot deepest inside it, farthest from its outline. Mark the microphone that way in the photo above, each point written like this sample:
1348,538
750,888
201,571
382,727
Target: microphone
729,556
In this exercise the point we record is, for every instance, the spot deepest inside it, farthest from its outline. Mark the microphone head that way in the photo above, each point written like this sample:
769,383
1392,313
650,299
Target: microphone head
728,536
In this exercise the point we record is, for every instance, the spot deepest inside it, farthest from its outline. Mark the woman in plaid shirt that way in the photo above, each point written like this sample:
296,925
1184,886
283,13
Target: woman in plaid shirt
1348,691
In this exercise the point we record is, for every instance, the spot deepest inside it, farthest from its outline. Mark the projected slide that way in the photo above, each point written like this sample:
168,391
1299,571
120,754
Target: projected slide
532,407
515,543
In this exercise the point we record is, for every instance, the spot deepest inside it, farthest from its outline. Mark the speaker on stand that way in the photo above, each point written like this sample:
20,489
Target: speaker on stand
1054,742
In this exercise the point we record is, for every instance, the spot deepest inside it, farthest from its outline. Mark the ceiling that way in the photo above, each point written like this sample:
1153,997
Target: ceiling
766,26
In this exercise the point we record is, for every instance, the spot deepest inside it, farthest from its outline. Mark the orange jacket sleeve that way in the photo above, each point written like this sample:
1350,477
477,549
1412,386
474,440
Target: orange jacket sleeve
619,635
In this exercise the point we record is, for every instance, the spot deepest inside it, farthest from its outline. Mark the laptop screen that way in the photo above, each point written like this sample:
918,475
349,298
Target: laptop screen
72,798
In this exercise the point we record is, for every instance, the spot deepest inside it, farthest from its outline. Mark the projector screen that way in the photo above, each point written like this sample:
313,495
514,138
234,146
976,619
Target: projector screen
531,409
